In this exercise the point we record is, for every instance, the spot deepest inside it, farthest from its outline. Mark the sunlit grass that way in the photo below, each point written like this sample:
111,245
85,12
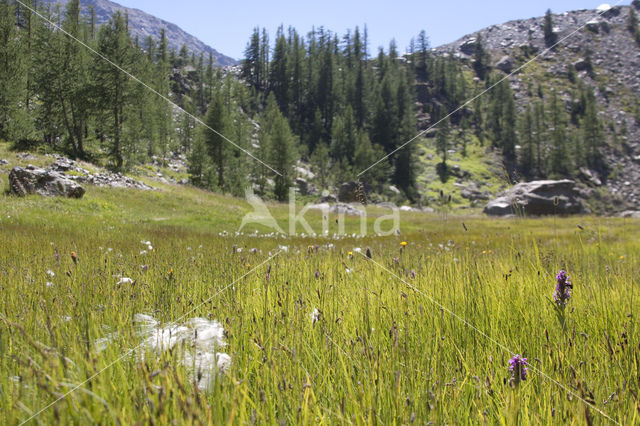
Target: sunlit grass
379,352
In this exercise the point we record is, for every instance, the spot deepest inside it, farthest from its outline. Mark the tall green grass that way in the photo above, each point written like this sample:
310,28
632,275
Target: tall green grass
379,352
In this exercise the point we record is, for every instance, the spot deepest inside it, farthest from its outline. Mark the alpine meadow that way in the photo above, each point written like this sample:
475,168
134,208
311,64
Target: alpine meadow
324,231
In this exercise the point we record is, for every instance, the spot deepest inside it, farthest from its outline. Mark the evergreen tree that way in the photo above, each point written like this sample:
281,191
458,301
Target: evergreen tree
385,122
282,148
502,119
112,86
550,36
527,158
217,147
481,59
198,165
559,153
367,154
343,136
252,70
422,56
11,67
508,137
442,140
278,77
73,83
539,126
321,163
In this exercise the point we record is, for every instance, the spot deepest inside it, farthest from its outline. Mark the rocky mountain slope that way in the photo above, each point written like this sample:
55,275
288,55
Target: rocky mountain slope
596,38
142,24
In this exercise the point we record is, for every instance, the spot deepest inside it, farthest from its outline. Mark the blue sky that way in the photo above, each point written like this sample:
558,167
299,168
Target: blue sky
226,25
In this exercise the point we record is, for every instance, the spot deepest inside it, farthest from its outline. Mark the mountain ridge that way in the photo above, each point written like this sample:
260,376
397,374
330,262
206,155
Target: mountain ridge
143,24
599,52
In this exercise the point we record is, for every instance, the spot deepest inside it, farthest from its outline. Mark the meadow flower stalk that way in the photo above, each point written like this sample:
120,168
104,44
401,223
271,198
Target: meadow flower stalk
562,293
518,369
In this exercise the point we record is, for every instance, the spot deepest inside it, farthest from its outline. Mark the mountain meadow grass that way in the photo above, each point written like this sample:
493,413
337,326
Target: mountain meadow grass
319,333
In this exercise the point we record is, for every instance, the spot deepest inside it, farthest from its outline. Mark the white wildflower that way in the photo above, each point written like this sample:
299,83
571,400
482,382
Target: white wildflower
315,316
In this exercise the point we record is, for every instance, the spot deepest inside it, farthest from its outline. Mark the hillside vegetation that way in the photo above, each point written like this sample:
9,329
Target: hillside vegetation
324,102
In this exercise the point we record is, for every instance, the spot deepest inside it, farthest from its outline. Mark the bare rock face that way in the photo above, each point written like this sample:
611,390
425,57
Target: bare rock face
505,64
468,47
538,198
306,188
48,183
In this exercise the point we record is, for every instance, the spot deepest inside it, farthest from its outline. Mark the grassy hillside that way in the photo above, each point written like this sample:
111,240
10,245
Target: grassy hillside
318,333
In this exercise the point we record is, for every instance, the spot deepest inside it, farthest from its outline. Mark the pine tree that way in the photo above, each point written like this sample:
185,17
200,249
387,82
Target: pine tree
73,83
296,67
442,140
252,64
218,149
423,55
367,154
112,87
481,59
10,70
527,158
278,77
282,148
321,163
198,165
343,136
539,127
550,36
508,137
559,154
385,122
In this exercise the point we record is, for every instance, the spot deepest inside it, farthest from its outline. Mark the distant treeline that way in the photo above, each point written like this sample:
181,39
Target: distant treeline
319,97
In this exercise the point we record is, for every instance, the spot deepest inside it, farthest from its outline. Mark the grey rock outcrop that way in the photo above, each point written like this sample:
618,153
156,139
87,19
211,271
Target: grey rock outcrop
103,178
328,198
468,47
634,214
306,188
48,183
338,208
537,198
505,64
